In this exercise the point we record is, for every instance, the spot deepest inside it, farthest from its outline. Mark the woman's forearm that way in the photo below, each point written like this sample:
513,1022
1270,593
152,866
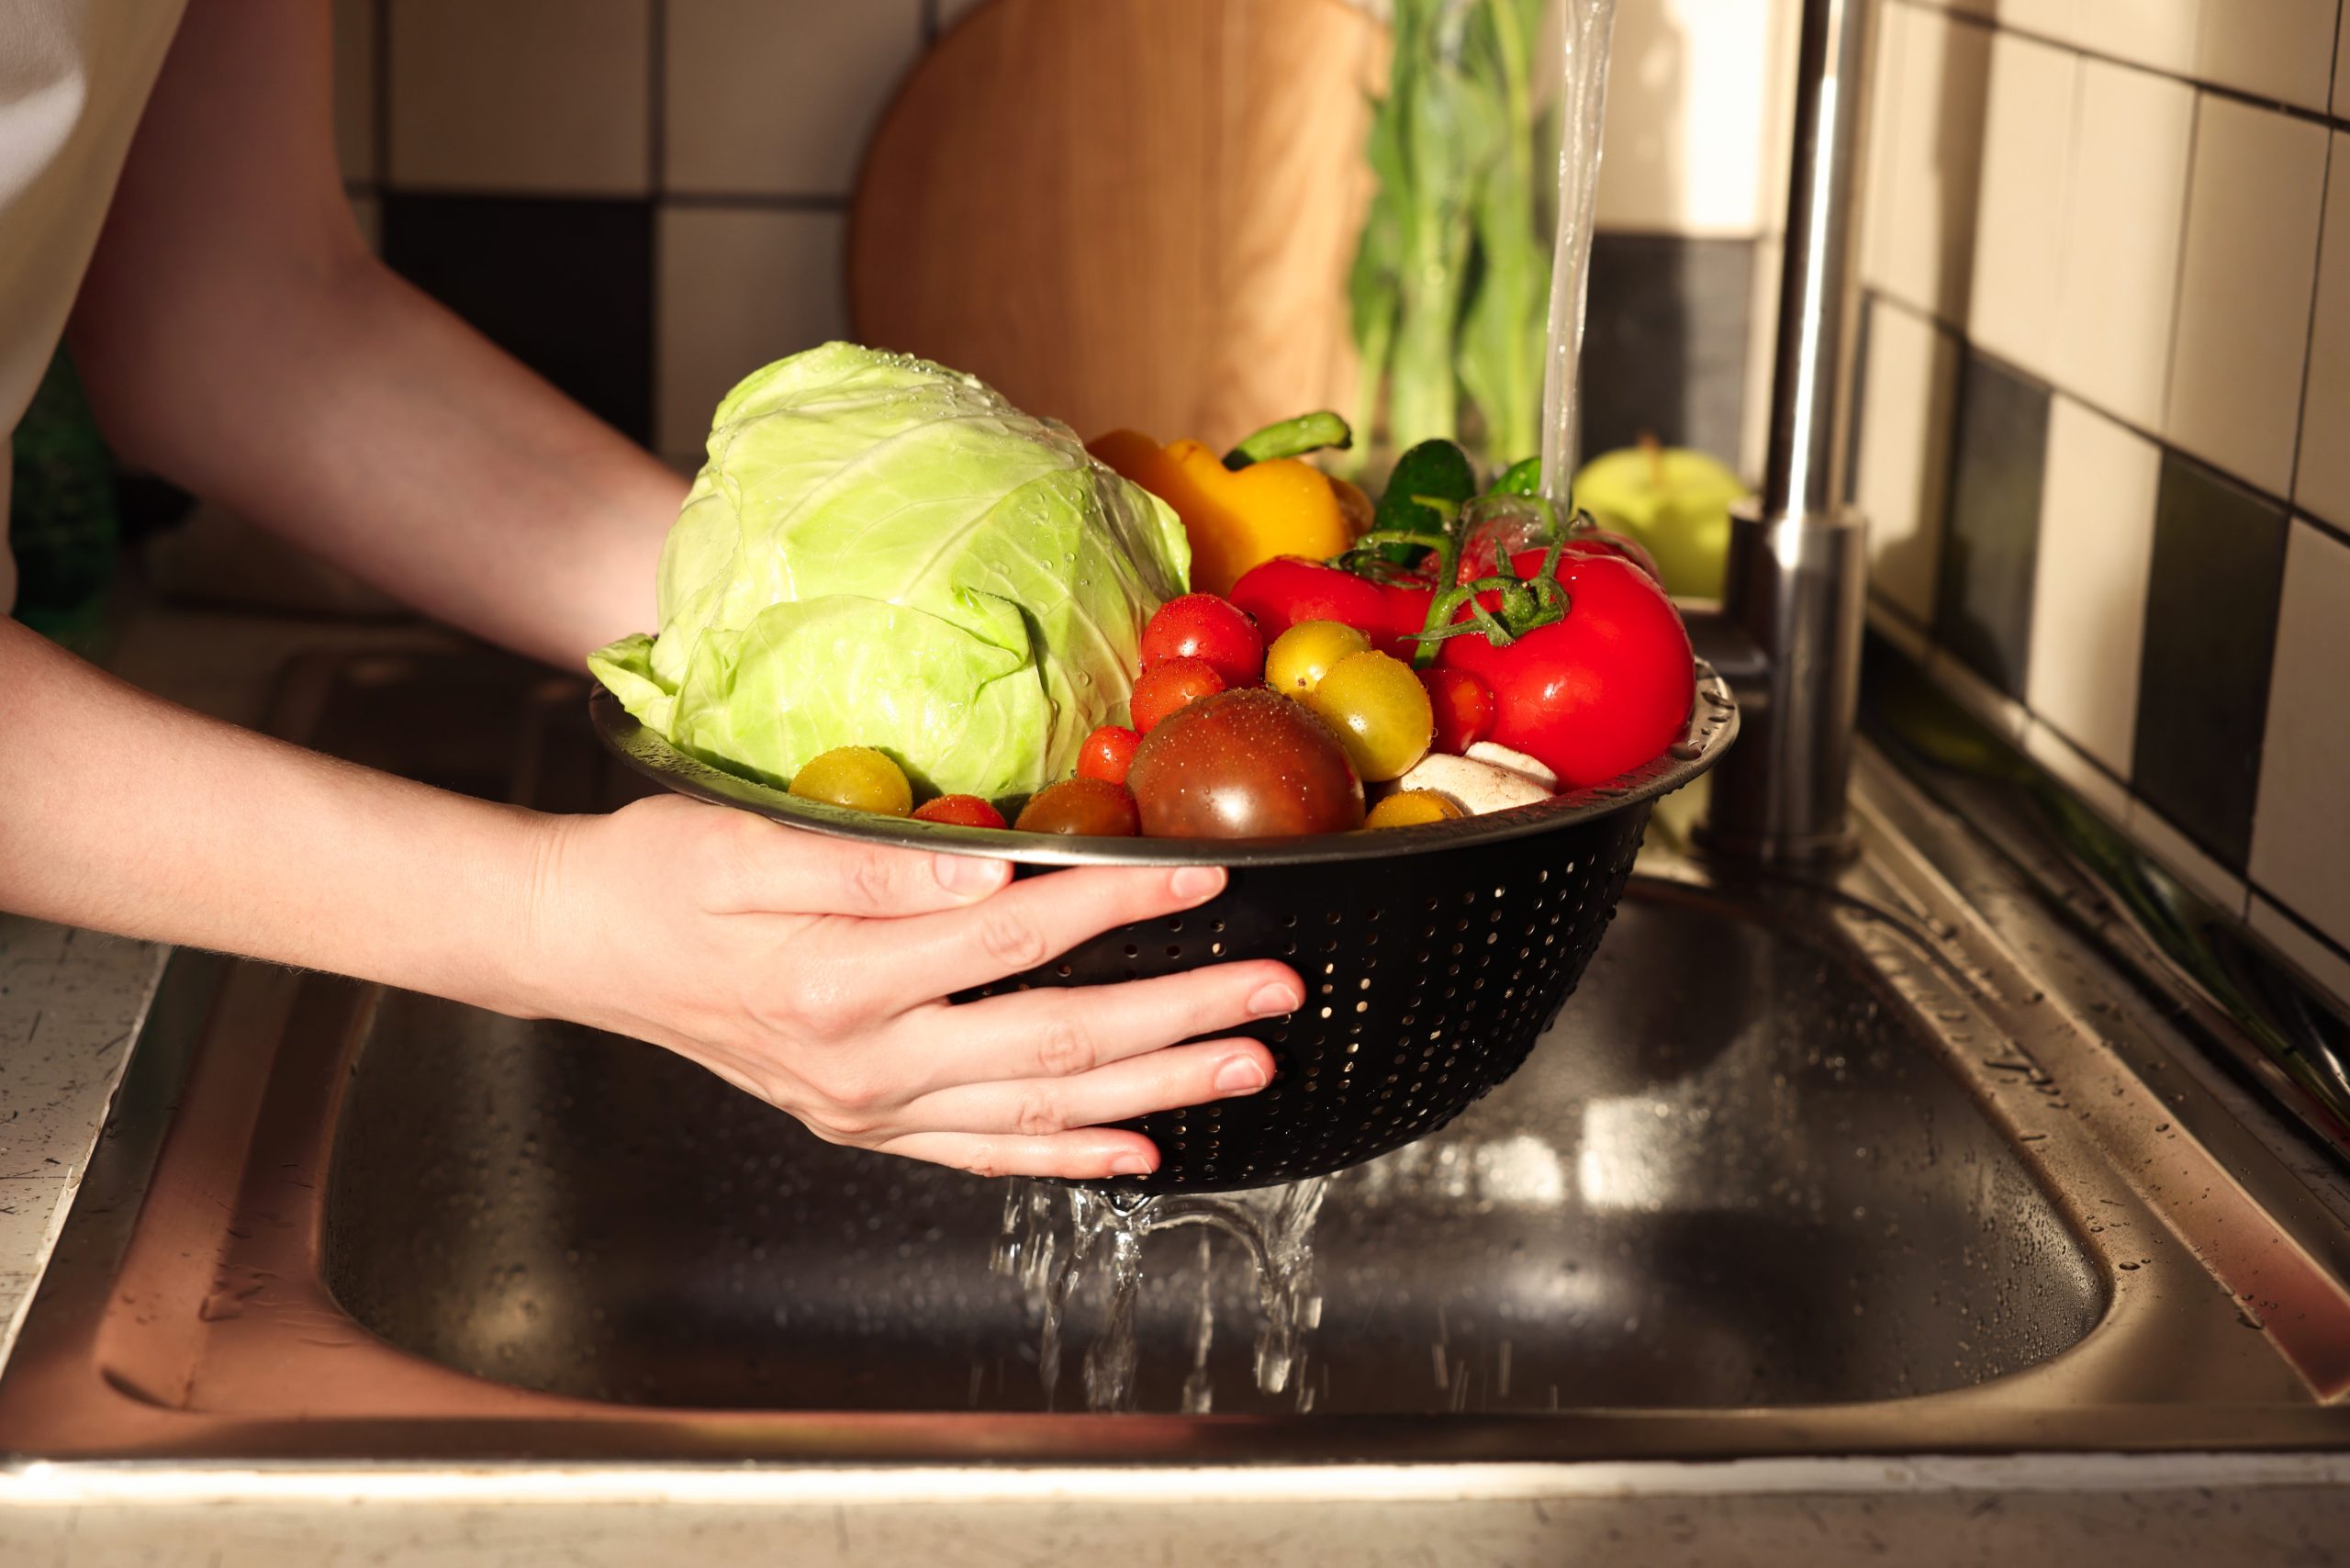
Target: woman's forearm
122,813
236,337
382,433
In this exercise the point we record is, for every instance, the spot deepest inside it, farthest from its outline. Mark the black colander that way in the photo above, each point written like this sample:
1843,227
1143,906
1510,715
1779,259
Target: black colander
1433,956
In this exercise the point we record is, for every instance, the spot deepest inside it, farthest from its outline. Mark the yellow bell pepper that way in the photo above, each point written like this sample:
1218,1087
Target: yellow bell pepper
1240,519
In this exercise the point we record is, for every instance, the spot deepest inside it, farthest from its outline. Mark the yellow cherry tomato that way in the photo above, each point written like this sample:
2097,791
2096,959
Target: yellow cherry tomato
856,776
1380,710
1411,808
1302,655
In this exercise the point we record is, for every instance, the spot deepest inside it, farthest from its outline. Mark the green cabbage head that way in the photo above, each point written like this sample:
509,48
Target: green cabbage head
883,552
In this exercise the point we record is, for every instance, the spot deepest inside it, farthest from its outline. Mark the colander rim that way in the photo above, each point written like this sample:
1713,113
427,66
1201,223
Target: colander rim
1713,725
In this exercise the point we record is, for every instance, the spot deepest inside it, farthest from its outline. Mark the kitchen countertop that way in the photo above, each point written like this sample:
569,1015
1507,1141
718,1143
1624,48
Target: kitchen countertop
71,1002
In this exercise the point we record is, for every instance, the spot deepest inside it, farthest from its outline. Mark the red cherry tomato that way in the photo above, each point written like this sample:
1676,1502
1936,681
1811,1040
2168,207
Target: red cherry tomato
1202,626
1600,692
1107,753
1085,807
1464,708
1163,687
1290,589
959,811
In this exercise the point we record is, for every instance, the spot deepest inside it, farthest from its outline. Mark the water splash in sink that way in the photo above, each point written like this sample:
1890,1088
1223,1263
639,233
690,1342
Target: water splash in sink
1063,1242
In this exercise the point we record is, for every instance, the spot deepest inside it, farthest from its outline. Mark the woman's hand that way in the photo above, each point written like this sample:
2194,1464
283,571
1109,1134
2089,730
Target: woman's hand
813,973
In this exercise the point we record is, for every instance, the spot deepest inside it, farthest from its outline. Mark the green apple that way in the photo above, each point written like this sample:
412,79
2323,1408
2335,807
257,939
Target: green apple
1675,502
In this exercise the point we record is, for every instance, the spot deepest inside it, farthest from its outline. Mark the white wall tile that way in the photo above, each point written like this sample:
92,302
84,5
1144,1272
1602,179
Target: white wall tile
1762,349
2300,834
1902,477
2126,205
1881,181
738,288
736,124
2096,545
2342,67
1931,161
355,87
2178,855
2321,963
2056,20
2019,226
1778,68
541,96
1686,118
2278,48
2163,34
2323,484
2250,270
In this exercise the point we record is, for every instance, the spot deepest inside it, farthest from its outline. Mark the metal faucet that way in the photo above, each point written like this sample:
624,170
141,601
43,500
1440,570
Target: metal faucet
1788,634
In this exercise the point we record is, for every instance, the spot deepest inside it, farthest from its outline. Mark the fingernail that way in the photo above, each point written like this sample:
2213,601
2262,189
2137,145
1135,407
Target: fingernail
965,874
1197,882
1271,999
1130,1165
1238,1075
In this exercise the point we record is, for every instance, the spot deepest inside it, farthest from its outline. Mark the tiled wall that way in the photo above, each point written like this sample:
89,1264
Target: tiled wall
647,199
2104,429
2104,434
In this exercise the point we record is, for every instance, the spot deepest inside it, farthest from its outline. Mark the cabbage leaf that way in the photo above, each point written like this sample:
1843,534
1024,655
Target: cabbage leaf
883,552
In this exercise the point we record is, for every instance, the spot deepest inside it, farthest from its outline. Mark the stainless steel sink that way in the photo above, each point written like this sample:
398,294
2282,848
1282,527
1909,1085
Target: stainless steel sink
1775,1195
1883,1164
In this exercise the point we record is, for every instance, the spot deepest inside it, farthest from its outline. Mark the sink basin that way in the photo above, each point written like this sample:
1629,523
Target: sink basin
1779,1195
1866,1165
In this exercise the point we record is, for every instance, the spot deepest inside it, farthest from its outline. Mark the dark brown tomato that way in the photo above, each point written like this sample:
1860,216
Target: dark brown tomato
1247,763
1088,808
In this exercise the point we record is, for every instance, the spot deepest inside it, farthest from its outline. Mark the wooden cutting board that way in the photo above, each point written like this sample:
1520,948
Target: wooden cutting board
1127,212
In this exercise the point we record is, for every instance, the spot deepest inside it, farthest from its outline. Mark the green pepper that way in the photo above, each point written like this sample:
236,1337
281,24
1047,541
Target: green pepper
1524,478
1322,431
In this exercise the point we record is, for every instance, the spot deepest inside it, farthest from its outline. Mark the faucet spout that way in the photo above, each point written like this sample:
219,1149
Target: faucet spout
1788,635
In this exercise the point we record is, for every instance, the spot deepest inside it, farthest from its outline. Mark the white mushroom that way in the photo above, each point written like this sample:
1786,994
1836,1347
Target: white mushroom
1474,786
1528,769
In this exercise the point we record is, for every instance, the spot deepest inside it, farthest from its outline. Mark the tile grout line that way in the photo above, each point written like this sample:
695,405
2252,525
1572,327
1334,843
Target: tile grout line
2178,306
770,201
2218,89
2154,438
380,130
656,179
2035,720
2309,344
2285,504
656,98
2297,921
2333,70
